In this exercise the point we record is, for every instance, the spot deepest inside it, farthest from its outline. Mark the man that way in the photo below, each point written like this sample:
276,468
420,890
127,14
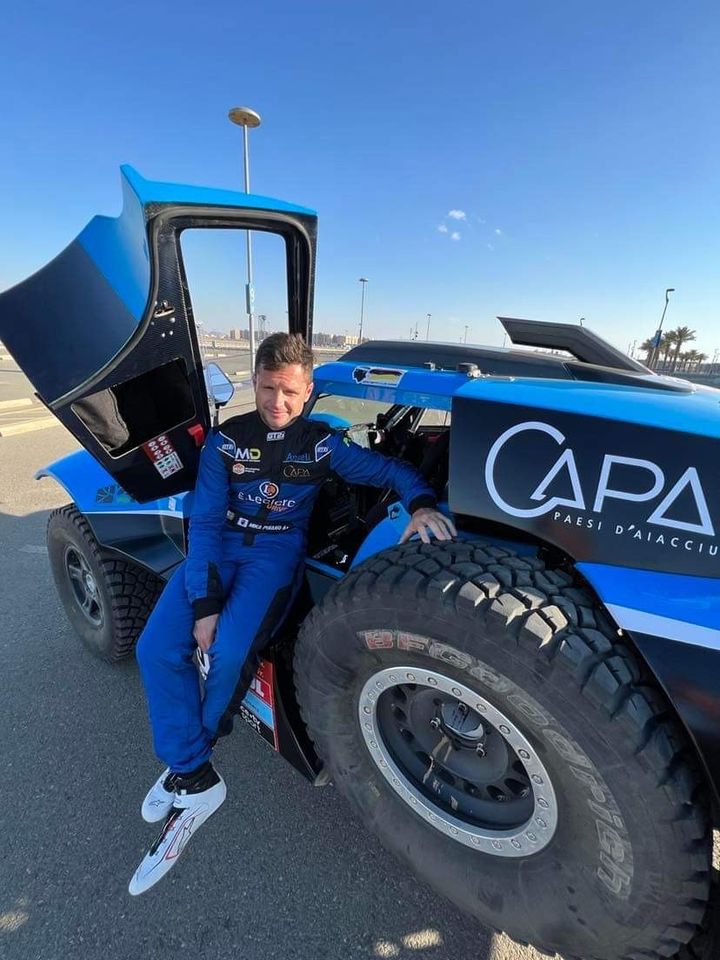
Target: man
248,529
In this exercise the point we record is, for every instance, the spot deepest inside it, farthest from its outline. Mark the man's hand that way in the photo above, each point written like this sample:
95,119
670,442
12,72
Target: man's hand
204,631
426,521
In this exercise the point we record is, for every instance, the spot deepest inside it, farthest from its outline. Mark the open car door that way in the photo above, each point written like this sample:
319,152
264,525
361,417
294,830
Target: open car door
106,334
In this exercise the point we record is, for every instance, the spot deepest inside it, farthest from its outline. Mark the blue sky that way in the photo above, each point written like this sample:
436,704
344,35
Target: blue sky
577,143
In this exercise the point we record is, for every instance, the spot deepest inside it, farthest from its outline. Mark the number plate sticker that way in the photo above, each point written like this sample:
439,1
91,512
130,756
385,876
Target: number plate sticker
163,456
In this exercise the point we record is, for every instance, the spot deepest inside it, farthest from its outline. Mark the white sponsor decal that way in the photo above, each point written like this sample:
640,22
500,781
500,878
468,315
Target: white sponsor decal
247,453
322,449
656,480
276,435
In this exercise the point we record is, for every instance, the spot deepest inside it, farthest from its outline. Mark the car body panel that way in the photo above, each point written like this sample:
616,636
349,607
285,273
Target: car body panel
603,491
645,599
693,411
150,534
389,384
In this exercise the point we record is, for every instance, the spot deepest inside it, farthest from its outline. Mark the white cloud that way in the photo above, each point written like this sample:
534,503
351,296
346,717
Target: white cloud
442,228
455,235
457,214
498,232
489,246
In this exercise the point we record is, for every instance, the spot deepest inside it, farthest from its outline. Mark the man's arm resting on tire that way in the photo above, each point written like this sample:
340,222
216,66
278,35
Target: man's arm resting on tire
357,465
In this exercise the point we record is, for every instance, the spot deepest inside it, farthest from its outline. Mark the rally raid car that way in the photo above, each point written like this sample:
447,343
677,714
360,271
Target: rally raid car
529,717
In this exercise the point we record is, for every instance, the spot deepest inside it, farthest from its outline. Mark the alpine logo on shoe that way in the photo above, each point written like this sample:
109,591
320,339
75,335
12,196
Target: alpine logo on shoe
183,832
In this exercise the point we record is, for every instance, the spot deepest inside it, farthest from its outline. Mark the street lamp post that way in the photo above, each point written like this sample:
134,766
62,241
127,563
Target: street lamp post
427,332
363,281
658,333
466,330
246,118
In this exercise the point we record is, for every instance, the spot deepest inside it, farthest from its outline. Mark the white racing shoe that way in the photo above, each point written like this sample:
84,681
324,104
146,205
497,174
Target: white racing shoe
193,803
156,805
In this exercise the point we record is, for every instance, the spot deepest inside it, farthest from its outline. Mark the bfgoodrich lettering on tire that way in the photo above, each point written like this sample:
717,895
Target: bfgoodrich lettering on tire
485,719
107,600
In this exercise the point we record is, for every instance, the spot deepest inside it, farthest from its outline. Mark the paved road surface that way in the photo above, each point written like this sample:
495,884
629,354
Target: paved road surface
282,871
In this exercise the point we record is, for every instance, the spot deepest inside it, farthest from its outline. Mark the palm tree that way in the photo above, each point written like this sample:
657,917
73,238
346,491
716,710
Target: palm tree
684,360
680,336
667,342
693,359
647,347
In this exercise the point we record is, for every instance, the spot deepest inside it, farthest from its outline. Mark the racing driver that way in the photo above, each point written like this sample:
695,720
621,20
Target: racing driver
258,478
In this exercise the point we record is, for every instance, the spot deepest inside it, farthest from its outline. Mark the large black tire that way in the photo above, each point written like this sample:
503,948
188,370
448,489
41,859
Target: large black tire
611,858
107,600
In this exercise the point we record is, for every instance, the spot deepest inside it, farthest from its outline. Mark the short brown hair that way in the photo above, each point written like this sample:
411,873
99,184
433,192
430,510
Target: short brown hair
279,349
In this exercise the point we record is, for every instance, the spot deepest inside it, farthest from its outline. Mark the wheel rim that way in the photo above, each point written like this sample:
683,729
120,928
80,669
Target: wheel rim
458,761
84,587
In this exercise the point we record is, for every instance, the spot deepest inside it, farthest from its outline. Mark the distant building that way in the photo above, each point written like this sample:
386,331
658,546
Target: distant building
344,340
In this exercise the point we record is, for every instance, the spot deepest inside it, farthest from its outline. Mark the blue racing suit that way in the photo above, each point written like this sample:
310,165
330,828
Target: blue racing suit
255,492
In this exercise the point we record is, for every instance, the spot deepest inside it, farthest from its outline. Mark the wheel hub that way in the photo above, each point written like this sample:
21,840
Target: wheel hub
461,725
458,761
84,586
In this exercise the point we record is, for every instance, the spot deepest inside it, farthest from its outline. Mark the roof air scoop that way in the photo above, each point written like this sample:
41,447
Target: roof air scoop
582,343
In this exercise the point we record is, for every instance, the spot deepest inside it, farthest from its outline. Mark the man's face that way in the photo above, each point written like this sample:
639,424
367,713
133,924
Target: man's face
280,395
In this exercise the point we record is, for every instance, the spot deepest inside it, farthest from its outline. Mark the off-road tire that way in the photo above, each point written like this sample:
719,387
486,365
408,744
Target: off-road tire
626,872
125,592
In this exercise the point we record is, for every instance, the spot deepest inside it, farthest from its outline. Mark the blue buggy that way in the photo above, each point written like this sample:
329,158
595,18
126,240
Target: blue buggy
528,716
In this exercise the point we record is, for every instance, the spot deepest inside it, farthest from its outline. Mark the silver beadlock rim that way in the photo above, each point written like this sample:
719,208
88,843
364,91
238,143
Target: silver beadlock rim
530,837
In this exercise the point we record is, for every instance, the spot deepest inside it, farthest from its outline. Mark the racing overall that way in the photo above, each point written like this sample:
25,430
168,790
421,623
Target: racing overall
252,503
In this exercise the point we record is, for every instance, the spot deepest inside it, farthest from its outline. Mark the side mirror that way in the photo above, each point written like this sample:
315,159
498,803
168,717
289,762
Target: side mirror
218,386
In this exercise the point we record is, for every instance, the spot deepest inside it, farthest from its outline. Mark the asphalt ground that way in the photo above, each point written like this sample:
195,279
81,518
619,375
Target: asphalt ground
283,870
